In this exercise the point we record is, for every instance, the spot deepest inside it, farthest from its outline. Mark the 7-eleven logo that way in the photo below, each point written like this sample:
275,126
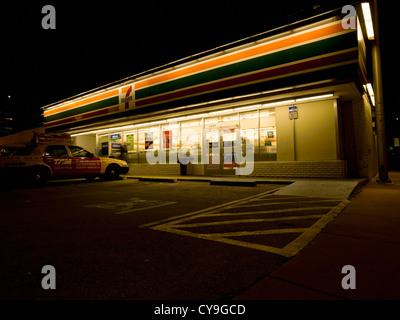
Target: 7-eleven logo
126,98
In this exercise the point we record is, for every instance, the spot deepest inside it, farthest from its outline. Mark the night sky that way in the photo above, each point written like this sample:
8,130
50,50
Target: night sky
100,42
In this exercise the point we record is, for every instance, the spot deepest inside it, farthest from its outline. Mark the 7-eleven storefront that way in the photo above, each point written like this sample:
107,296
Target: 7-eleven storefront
291,104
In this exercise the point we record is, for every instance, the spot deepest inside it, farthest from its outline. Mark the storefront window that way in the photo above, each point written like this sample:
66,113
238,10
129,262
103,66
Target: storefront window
149,140
169,142
230,125
103,144
249,130
256,127
230,121
212,144
211,122
170,137
130,142
229,145
191,138
268,135
116,143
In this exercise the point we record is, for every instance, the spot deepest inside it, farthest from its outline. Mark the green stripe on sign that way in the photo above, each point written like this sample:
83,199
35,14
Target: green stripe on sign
317,48
83,109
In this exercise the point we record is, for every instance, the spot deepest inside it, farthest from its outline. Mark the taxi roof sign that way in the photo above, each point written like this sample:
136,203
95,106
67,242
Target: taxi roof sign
53,138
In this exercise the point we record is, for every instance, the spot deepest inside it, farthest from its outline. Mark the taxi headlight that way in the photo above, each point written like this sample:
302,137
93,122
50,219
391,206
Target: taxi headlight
124,164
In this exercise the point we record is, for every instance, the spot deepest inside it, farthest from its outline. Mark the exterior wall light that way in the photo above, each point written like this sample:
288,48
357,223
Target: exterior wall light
366,9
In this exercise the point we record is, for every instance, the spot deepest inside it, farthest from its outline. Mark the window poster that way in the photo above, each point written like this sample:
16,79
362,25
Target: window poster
148,140
167,139
130,142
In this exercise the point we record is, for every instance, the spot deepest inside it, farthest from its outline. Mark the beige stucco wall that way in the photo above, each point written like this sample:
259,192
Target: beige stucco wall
312,137
365,139
86,141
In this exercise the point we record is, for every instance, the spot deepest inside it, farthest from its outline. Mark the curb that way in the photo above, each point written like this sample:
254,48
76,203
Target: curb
157,179
240,183
212,181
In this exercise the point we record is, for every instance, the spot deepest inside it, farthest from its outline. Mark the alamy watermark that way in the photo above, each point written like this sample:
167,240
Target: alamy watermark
238,152
349,280
49,280
49,20
349,20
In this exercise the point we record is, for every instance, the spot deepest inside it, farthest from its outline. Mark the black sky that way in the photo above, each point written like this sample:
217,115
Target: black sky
96,43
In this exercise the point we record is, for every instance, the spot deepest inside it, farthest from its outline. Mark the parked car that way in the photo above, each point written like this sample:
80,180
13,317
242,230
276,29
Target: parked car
38,163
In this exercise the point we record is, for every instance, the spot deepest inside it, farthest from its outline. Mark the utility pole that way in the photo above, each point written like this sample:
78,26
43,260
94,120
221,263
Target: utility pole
379,107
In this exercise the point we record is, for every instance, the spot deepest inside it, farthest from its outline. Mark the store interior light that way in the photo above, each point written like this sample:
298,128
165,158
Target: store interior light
114,129
128,127
366,9
315,97
177,119
158,122
277,103
249,116
248,107
221,111
191,124
198,115
142,124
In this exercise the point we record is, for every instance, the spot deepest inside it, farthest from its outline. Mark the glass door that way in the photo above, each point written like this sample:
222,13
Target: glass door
220,151
212,137
228,151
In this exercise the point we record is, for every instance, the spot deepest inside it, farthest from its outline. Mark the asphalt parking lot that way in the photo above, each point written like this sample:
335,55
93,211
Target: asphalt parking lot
147,240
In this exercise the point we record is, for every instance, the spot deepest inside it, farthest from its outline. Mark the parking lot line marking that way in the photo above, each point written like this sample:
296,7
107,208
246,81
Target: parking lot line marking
286,202
130,205
216,223
256,233
271,196
129,210
265,212
177,225
209,209
295,246
211,212
239,243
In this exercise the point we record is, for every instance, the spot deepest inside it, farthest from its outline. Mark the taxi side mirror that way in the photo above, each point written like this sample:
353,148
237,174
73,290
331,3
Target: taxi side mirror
90,155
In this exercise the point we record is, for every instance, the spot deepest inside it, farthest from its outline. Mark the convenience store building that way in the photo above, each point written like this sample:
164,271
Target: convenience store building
296,99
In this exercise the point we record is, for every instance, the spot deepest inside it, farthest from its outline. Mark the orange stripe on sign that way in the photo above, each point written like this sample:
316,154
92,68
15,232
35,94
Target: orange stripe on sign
125,89
81,102
268,47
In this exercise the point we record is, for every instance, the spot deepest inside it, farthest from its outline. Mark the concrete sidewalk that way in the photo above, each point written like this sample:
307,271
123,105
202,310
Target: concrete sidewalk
308,187
365,235
305,187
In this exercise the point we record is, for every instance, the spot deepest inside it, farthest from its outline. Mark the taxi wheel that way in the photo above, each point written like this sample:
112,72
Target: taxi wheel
112,172
39,176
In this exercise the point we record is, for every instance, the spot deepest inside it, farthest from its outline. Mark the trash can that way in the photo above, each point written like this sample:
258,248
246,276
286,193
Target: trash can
183,168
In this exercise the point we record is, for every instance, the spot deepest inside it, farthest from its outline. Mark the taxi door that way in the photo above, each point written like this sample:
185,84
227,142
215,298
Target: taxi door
83,162
58,159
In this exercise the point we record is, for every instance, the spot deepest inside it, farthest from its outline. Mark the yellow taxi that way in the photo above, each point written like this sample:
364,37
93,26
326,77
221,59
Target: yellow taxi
39,162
